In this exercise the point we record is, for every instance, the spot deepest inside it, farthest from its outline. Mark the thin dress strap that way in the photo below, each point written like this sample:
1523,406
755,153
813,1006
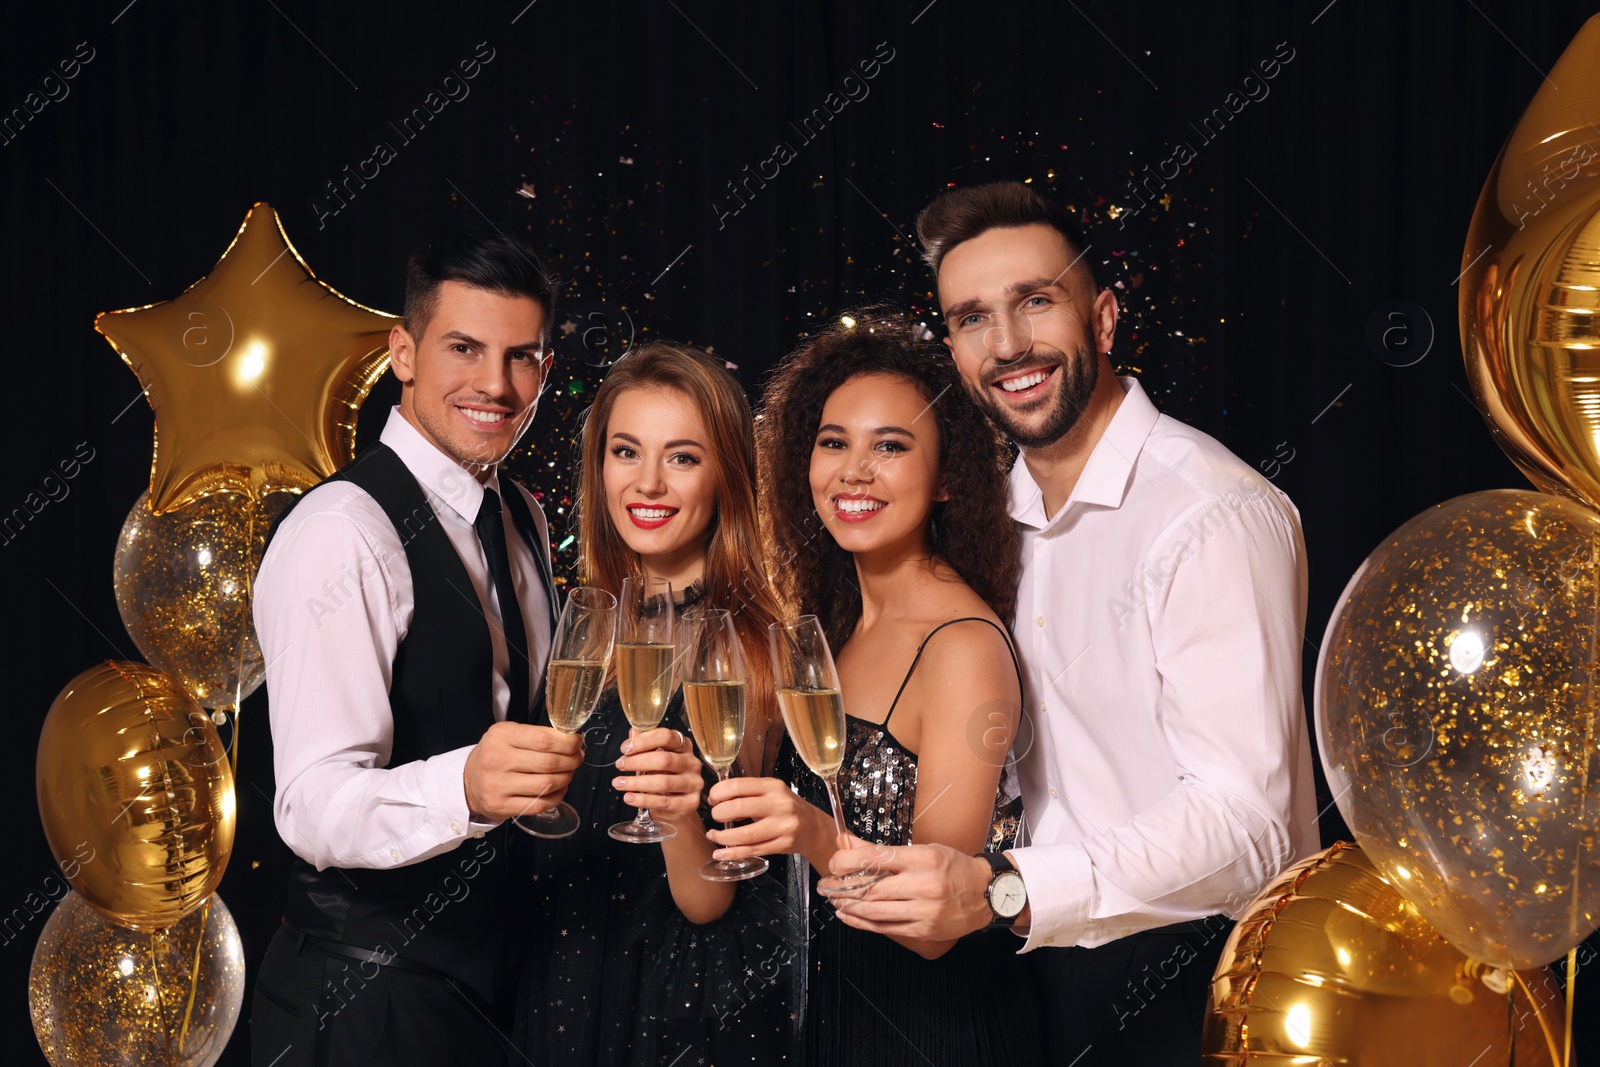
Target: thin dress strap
918,659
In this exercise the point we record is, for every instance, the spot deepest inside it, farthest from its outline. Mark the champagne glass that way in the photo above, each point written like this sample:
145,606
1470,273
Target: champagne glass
813,713
578,658
644,678
713,695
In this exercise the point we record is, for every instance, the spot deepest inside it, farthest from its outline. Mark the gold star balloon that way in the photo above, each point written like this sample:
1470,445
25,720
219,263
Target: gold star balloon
255,373
1530,287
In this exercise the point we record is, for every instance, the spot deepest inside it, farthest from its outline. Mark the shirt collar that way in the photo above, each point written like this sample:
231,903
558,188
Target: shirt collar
438,473
1106,475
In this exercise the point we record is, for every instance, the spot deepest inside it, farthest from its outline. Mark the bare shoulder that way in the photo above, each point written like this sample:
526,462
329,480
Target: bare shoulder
971,645
965,648
966,675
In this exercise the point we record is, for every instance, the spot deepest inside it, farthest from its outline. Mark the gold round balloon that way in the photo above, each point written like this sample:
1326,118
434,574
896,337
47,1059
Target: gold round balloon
102,994
183,581
255,372
1331,966
1456,713
1530,290
135,794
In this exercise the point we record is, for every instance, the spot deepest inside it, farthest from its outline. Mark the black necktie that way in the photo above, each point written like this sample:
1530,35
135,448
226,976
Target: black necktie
492,534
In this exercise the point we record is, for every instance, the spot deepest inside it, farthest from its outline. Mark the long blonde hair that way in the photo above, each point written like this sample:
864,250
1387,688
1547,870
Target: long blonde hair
734,577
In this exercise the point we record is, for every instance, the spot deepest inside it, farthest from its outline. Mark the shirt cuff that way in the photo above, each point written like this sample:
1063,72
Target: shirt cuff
1059,880
445,789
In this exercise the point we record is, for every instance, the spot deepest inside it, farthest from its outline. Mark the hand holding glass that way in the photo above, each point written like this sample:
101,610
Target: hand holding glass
713,695
813,713
578,658
644,678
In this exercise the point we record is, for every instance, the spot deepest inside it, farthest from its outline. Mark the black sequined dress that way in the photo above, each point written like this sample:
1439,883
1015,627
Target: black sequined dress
872,1001
613,974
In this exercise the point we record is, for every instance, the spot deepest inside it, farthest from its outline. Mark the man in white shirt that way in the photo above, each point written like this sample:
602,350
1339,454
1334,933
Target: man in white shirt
405,608
1168,776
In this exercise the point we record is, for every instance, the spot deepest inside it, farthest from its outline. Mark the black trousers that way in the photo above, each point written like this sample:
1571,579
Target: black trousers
316,1010
1139,1000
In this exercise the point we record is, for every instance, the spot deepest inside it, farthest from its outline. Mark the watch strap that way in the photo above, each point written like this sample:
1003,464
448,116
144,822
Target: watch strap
999,861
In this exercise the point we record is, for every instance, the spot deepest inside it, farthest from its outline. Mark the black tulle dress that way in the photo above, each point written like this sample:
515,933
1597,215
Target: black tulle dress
614,974
868,999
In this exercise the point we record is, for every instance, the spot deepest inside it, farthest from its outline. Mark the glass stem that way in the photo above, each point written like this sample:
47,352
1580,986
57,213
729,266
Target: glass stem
642,819
832,782
722,776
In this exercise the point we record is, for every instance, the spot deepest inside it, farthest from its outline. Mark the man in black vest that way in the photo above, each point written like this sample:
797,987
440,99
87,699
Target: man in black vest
405,609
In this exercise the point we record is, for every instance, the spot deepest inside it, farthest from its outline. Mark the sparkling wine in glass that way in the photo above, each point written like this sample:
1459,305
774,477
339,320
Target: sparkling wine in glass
644,678
813,713
577,669
714,677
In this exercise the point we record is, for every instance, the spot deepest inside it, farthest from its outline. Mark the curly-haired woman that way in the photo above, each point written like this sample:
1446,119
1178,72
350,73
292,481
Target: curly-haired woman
884,494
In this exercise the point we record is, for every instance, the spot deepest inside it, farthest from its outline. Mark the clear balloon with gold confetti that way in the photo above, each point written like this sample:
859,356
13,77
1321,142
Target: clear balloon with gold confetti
1456,711
183,583
103,994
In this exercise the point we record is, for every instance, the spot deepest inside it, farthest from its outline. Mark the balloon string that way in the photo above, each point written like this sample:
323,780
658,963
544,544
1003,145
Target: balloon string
194,970
1572,981
1577,870
161,1000
1544,1024
1511,1030
233,746
244,636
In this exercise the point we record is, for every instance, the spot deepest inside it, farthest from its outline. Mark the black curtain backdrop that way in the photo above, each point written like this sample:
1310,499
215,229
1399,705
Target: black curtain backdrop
618,135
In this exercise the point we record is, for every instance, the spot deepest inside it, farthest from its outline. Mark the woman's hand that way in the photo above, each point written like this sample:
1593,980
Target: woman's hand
780,821
664,773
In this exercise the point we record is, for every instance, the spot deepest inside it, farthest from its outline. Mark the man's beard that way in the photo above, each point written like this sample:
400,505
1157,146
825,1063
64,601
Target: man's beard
1078,380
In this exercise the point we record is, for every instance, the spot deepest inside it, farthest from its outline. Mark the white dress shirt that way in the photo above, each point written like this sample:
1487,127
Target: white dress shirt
1159,619
332,603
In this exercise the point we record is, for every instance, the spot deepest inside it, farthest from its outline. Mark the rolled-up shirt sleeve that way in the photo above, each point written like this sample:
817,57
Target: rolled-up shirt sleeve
331,605
1226,633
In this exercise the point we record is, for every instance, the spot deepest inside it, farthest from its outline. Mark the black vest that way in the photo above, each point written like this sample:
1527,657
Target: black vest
446,912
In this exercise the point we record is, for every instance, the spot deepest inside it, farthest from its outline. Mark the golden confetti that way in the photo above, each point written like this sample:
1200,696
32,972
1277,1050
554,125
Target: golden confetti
1456,711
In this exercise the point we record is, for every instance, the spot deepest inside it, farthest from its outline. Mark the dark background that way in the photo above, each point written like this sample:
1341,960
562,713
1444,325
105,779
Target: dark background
1246,298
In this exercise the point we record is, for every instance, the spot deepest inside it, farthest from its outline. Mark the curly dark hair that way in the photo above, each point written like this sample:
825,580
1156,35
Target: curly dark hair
972,533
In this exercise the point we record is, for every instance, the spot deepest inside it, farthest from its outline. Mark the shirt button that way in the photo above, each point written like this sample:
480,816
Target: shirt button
1053,794
455,827
394,854
1040,620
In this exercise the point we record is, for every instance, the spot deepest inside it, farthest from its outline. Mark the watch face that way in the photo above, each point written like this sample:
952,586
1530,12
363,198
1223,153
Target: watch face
1007,895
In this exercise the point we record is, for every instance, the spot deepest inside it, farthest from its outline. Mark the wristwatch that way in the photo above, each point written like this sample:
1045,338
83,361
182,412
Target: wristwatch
1006,894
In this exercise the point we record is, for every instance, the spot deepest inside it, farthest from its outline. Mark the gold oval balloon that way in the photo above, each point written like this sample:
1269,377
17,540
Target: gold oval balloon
1530,288
183,583
135,794
103,994
1456,717
1331,966
255,372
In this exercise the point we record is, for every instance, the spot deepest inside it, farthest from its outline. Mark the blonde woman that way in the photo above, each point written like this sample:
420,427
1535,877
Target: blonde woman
634,958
